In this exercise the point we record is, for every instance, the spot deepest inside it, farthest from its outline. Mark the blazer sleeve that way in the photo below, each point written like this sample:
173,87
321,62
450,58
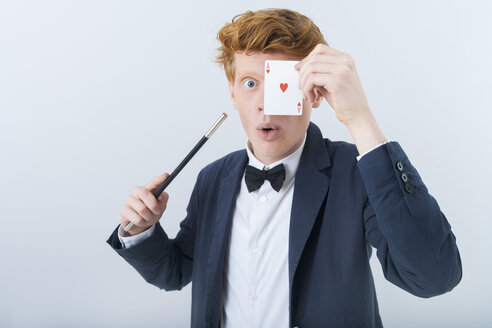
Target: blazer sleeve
415,245
161,261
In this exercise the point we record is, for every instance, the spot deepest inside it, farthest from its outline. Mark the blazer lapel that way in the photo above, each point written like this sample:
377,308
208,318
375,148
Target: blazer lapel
310,188
226,197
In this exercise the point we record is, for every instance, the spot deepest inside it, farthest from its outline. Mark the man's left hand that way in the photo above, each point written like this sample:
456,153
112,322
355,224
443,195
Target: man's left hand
333,74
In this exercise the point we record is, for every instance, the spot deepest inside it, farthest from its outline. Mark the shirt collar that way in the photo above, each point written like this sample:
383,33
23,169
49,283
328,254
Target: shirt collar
291,162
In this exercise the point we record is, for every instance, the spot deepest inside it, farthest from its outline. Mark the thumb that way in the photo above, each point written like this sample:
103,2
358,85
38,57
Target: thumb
163,198
156,182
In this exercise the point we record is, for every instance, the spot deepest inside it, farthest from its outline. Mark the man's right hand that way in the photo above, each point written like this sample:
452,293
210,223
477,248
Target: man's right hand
142,208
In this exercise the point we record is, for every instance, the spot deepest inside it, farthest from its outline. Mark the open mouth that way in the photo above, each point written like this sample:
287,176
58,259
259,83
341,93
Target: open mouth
267,127
268,131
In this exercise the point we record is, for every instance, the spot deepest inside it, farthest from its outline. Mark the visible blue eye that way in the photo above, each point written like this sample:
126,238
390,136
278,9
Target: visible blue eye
249,84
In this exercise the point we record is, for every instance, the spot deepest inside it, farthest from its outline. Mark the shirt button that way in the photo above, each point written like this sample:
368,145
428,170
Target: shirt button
263,198
255,248
254,298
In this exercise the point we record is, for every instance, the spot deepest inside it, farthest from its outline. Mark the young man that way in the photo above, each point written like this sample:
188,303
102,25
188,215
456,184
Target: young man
294,251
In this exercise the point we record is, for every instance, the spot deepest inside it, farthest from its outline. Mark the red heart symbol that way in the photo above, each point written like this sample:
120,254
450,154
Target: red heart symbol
283,86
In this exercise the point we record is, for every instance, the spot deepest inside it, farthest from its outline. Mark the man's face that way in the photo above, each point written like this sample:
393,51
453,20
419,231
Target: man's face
287,132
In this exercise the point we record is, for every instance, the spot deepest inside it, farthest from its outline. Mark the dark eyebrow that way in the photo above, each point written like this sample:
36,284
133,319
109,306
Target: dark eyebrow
254,74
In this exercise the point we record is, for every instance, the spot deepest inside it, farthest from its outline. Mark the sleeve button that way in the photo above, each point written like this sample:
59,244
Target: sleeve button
399,166
409,188
404,177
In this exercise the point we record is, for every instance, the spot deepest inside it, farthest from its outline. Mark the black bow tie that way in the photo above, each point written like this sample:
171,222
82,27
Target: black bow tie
254,178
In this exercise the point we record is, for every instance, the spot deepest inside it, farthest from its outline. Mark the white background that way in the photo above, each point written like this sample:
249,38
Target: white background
97,97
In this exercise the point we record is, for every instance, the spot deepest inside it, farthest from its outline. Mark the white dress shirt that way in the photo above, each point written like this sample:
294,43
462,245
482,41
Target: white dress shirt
255,289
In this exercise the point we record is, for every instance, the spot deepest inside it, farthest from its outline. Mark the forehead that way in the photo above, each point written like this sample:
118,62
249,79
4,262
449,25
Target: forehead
255,62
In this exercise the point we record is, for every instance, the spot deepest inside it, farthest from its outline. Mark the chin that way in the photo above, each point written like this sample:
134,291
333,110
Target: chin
269,148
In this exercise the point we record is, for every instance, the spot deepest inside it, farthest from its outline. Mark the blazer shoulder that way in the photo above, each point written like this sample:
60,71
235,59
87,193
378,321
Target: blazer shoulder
341,150
345,165
223,164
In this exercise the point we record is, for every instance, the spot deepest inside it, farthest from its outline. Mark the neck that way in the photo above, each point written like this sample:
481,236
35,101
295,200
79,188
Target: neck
267,160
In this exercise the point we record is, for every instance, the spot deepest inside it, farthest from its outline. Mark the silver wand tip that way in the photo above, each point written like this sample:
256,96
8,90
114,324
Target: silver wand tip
216,125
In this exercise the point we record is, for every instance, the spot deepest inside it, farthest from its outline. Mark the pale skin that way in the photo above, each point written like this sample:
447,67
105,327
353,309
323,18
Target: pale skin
333,74
246,92
325,73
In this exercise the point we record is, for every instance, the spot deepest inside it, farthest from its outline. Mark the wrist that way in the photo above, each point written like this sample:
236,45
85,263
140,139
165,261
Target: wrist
366,133
137,230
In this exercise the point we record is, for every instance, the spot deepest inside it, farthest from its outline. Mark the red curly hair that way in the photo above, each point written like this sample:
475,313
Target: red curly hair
266,30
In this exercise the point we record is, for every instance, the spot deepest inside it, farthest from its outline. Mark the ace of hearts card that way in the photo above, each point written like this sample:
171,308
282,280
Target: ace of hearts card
282,94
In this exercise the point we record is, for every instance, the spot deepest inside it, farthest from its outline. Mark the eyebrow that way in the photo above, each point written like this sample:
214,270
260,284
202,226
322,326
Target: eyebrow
243,73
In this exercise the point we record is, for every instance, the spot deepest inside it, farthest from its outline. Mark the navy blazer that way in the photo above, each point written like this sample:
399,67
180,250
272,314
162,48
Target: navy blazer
341,207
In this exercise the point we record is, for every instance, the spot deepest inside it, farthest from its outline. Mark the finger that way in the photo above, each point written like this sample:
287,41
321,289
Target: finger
163,199
156,182
322,55
316,80
317,93
322,64
325,93
316,84
344,60
323,48
148,199
128,214
312,68
322,58
140,207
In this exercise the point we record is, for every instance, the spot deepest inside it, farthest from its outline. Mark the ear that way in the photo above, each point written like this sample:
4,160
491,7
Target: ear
231,93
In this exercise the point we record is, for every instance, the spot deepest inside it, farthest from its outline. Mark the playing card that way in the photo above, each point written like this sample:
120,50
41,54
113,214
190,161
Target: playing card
282,94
